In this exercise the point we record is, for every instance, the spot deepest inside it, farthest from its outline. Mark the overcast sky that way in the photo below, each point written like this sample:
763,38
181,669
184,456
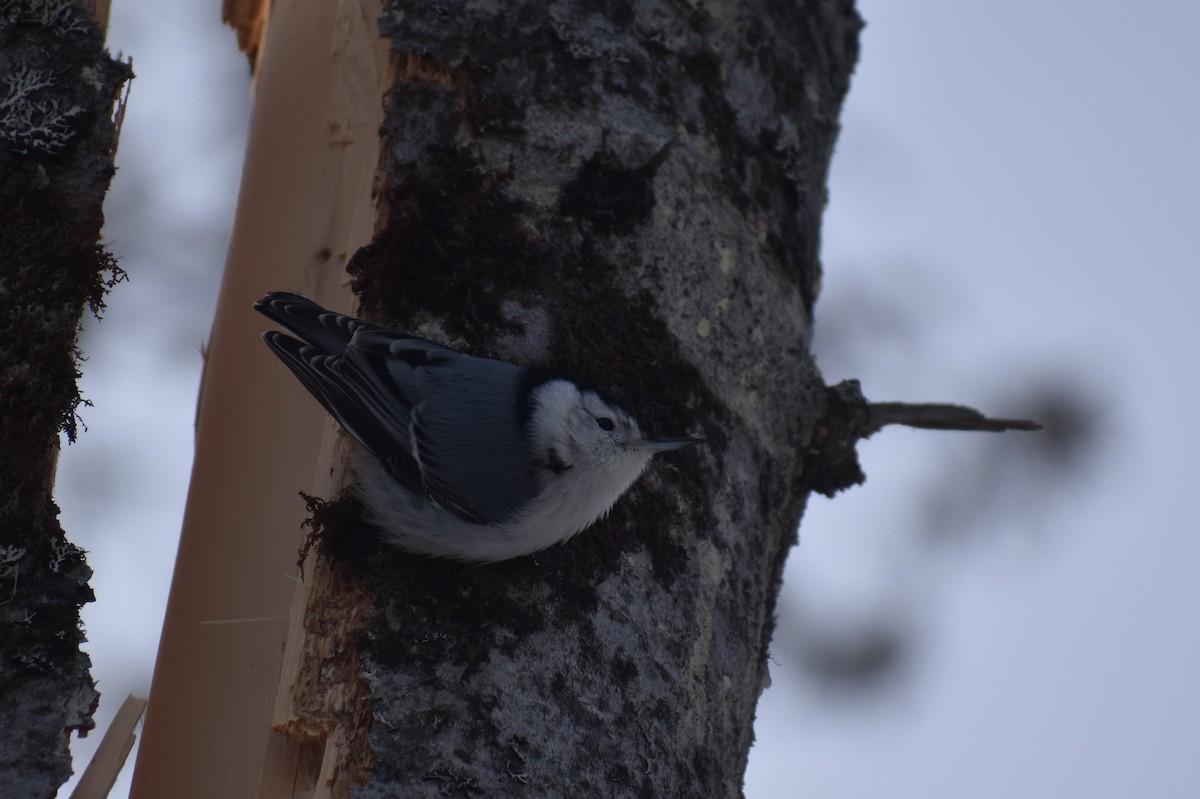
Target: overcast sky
1012,225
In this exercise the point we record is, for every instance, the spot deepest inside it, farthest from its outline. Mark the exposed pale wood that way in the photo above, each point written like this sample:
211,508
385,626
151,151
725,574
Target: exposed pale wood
307,201
249,19
101,773
319,702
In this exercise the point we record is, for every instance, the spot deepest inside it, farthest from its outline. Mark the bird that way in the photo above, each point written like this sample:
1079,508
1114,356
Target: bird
462,457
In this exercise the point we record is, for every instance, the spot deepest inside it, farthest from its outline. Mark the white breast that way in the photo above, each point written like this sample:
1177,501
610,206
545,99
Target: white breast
568,503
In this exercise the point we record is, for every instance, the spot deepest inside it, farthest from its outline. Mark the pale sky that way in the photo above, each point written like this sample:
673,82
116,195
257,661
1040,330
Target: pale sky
1013,206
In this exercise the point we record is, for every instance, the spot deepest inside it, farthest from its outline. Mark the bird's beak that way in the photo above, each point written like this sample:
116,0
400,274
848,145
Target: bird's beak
665,444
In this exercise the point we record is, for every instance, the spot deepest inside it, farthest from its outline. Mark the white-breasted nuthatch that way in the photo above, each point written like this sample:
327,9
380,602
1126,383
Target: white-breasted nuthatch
468,458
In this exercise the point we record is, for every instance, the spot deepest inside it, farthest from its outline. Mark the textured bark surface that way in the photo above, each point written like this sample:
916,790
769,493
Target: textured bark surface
630,192
57,91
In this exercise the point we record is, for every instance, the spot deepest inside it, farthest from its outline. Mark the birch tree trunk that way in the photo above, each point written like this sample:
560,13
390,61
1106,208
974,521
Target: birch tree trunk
631,192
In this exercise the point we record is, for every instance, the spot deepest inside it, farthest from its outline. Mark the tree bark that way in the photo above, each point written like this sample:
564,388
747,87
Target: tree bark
630,192
58,88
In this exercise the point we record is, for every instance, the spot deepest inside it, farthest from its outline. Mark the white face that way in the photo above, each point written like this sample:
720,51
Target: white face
578,428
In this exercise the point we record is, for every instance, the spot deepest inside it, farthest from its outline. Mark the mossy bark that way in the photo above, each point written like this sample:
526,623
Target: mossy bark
58,88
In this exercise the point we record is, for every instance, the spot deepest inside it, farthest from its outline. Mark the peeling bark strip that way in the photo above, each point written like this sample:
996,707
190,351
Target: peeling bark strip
58,88
630,191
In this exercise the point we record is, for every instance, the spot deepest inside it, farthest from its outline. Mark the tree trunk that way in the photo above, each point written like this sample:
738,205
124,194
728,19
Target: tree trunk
628,192
631,192
58,88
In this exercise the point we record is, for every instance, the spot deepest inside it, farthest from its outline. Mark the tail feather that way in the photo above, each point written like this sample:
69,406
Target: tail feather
318,327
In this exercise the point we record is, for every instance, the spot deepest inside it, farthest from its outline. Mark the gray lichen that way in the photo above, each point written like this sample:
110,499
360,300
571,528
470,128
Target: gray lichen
43,96
33,117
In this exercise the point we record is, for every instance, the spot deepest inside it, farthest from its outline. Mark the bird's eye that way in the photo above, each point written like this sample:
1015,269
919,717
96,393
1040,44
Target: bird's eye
605,423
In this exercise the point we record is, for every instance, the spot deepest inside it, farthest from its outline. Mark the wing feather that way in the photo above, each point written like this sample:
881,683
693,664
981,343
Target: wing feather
373,382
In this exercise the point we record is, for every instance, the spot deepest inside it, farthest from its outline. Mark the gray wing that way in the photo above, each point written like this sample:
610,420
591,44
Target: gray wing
411,403
469,434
